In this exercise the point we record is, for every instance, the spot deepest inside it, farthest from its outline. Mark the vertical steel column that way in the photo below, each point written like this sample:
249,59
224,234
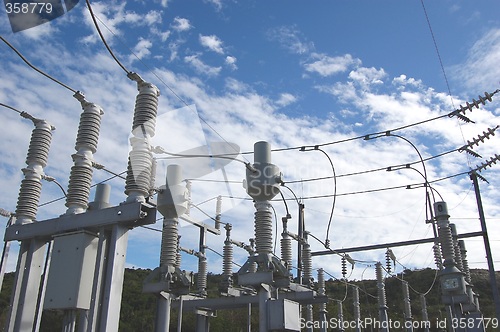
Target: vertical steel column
489,257
113,283
89,318
300,234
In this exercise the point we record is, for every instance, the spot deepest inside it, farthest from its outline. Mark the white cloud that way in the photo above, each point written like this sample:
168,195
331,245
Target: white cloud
325,65
481,71
213,43
201,67
291,39
181,24
231,62
286,99
141,49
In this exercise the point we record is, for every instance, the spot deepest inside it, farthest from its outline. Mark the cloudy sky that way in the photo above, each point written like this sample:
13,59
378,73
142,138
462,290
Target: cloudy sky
293,73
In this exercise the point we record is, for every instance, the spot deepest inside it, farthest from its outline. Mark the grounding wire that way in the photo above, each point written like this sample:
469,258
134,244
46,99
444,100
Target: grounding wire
35,68
409,286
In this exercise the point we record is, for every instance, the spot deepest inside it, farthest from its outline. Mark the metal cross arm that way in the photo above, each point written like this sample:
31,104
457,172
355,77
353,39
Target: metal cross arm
130,215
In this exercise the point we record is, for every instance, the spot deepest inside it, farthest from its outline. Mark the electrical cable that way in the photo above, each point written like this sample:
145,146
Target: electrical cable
103,39
35,68
327,238
162,81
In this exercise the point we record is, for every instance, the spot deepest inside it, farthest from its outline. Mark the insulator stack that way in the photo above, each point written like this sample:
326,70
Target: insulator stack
80,179
465,262
263,228
445,237
436,248
380,285
482,100
202,275
340,315
153,177
169,243
344,266
357,309
406,299
307,264
456,247
286,250
138,181
227,264
218,211
188,189
178,258
253,267
423,305
322,292
36,159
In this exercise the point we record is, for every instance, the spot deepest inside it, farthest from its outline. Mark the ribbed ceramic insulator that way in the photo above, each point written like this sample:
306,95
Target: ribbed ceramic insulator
169,243
202,275
286,250
79,186
263,228
227,264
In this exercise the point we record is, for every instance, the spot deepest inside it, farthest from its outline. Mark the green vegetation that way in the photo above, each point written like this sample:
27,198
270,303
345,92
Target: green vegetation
138,310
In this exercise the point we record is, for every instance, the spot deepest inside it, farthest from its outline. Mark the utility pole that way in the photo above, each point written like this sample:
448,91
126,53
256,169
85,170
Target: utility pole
489,258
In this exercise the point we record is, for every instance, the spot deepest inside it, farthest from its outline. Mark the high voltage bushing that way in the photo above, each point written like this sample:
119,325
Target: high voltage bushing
322,292
407,305
456,247
80,179
227,261
171,203
138,180
286,246
36,159
262,184
438,259
357,309
452,280
382,303
306,262
343,266
201,282
218,210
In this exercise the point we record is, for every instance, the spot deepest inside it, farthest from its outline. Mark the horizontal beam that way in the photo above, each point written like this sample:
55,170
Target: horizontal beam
388,245
200,224
130,215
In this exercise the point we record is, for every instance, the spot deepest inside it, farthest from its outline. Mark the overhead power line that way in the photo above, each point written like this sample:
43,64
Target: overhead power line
35,68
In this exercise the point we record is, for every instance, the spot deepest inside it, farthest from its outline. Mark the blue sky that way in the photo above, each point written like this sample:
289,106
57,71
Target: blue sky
293,73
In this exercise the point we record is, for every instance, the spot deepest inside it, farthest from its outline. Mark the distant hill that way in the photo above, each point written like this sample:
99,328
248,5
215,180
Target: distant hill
138,310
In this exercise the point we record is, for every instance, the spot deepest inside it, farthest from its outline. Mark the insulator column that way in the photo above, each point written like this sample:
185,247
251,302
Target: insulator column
438,259
445,237
407,307
382,304
171,204
80,178
286,247
306,262
322,306
138,181
178,258
202,274
227,263
262,184
218,209
425,315
465,262
357,310
340,315
263,228
36,159
169,242
456,247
